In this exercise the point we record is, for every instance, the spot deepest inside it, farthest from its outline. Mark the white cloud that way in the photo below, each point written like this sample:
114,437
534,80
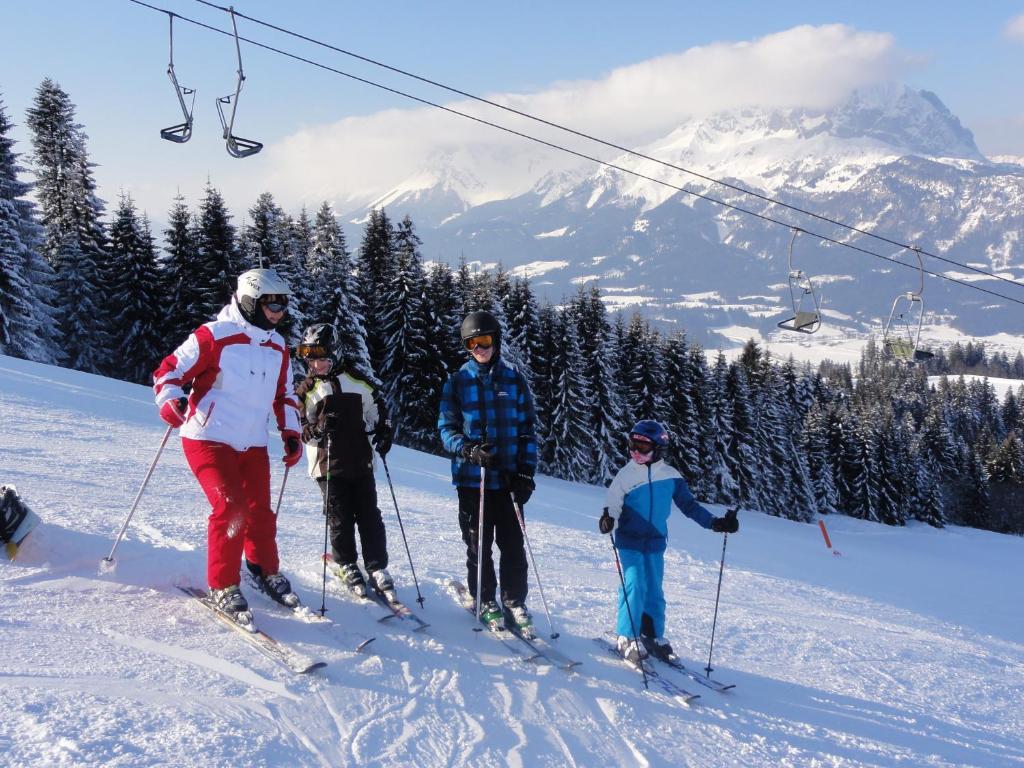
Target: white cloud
1014,29
359,157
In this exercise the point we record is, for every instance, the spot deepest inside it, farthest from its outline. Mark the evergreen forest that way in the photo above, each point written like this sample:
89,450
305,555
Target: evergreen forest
97,290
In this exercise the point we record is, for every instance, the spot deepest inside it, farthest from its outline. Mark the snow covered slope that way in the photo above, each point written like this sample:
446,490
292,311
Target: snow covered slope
907,649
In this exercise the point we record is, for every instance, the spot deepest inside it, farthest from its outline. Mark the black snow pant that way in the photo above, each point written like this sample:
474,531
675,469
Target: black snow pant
501,525
351,503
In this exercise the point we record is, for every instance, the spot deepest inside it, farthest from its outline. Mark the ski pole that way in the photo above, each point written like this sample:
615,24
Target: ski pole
419,597
327,511
280,495
536,573
109,559
629,611
479,547
714,622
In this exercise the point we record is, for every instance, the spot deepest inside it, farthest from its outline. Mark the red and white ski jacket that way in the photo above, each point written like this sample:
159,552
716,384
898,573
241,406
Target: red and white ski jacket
240,375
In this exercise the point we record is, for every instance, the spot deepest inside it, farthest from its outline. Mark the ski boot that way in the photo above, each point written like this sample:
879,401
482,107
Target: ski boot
232,603
276,586
350,574
518,619
658,647
630,650
490,615
382,582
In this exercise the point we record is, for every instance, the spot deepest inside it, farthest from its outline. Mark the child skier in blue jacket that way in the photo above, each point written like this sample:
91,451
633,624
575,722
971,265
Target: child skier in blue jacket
640,499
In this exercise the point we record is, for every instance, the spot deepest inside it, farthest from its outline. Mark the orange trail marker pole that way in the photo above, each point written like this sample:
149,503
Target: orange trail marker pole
828,542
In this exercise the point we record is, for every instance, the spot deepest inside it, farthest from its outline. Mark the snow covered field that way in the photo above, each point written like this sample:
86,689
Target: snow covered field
908,649
840,347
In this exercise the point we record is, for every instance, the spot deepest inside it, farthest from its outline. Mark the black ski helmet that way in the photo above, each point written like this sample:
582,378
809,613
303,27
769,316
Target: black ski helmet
481,323
319,341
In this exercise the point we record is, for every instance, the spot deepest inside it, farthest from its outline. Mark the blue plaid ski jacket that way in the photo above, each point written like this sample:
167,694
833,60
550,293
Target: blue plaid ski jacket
497,401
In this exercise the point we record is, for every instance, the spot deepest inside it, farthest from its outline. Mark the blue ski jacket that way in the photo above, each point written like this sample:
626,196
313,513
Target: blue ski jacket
488,406
640,497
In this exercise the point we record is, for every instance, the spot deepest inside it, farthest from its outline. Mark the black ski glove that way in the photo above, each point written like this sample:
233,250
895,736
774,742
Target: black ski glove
383,436
481,454
521,485
727,523
607,523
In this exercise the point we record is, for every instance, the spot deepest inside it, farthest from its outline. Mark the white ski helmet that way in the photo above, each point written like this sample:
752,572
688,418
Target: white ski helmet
261,282
254,284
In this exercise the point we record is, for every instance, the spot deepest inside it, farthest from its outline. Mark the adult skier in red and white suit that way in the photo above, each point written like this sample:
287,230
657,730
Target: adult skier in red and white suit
238,366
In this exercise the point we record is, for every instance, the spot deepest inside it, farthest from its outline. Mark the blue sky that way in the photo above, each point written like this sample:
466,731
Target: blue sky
110,56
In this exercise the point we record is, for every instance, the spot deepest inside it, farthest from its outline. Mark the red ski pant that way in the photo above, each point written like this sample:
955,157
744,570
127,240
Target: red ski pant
237,485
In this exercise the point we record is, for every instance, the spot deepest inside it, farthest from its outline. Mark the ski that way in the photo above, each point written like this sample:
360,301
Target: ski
362,594
547,650
260,640
397,607
539,648
303,613
677,664
497,630
667,686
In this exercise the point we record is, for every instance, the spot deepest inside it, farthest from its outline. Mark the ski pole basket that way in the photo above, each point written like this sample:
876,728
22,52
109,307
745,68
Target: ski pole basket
181,132
805,301
236,145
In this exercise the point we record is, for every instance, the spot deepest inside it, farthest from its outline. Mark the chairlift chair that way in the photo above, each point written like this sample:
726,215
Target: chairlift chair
236,145
806,317
903,341
181,132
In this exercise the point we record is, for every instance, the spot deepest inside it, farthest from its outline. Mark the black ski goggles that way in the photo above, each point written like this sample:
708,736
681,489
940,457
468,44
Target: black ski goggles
484,341
275,302
641,445
312,352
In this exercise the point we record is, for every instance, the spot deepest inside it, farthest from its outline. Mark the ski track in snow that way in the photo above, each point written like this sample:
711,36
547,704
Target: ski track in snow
901,651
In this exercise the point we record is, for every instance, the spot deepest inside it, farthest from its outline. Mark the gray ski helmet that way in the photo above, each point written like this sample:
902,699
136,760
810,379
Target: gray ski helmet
480,323
254,284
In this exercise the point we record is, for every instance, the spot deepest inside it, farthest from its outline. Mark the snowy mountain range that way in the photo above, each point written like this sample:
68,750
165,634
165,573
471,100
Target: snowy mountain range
892,160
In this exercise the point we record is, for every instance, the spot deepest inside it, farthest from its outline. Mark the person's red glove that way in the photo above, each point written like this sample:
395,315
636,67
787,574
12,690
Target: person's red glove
292,448
173,411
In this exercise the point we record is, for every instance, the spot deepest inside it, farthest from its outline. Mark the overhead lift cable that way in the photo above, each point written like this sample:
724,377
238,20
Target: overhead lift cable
611,145
590,158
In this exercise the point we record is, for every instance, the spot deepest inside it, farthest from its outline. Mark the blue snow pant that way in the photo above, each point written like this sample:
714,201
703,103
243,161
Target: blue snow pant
643,573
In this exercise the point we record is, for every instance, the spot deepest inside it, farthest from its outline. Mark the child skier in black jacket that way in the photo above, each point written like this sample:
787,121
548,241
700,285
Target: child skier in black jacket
339,413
